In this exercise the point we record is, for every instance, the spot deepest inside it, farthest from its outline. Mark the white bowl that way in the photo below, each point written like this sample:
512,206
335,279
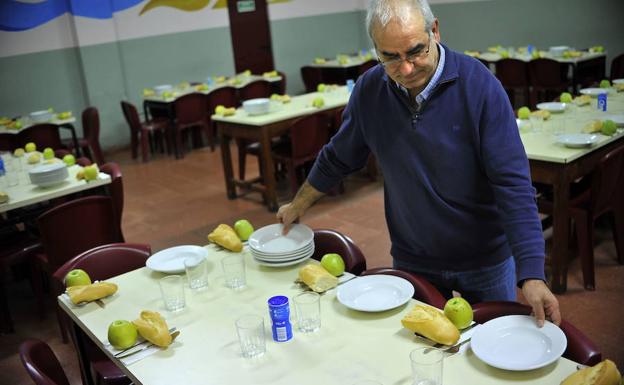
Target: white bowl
558,50
162,88
256,106
552,106
41,116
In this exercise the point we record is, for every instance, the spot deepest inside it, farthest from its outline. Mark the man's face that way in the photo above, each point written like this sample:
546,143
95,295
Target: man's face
398,41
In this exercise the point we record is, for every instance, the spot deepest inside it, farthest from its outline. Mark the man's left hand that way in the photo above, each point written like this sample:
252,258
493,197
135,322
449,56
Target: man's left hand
542,300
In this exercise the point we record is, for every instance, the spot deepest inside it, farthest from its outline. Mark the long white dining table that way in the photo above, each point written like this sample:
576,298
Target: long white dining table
350,346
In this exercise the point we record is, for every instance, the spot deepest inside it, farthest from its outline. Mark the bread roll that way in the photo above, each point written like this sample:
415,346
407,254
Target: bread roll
431,323
153,328
603,373
88,293
317,278
225,236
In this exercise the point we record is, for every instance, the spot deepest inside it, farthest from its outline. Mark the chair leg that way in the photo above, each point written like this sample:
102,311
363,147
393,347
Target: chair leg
242,155
6,322
145,145
584,233
618,231
179,147
134,144
98,155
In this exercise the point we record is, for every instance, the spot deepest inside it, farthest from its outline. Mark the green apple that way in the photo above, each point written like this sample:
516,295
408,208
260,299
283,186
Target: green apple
565,97
18,153
320,87
48,153
69,160
459,311
504,54
91,172
333,263
243,229
318,102
17,125
30,147
608,127
77,277
219,109
524,113
605,83
276,97
122,334
34,158
535,54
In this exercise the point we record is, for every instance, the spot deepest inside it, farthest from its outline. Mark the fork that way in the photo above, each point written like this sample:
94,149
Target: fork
452,350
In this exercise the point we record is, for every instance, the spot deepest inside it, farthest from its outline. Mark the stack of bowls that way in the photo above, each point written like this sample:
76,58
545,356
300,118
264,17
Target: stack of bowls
41,116
256,106
163,88
270,247
48,174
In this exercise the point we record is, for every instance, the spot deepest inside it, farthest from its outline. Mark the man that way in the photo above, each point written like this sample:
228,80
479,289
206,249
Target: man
458,196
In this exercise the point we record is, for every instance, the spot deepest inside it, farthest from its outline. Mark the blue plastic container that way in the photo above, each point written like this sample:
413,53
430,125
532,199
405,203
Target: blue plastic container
279,310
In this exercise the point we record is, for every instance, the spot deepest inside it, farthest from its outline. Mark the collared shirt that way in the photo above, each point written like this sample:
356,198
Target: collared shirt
424,94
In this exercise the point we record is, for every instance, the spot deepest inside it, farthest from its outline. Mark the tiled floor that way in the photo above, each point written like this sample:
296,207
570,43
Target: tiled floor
171,202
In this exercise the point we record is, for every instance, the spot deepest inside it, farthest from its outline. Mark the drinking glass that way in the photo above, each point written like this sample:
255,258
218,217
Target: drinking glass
172,290
234,272
427,366
196,272
250,330
308,307
536,123
12,170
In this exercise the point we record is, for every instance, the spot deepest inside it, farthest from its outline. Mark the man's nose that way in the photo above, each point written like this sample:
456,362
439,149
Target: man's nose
406,67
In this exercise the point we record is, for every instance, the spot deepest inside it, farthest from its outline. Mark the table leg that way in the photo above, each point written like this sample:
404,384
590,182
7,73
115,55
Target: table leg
561,232
269,172
228,173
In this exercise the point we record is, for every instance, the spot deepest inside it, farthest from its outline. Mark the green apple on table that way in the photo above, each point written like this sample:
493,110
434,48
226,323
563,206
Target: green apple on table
605,83
48,153
459,311
333,263
19,152
77,277
30,147
320,87
608,127
220,109
318,102
69,160
122,334
91,172
524,112
243,229
565,97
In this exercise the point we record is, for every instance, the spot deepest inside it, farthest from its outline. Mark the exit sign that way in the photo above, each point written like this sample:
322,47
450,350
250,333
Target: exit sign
246,6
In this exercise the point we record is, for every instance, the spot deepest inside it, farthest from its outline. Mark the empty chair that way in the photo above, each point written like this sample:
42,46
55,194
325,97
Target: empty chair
588,73
90,142
8,142
190,113
423,290
43,135
41,363
580,348
312,77
141,132
330,241
617,67
280,87
548,79
115,187
307,136
224,96
514,76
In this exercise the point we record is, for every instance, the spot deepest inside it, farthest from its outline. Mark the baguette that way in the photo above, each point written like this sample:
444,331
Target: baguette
226,237
88,293
153,328
431,323
317,278
603,373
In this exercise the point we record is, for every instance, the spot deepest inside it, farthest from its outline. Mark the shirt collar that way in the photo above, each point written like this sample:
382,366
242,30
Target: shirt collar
435,79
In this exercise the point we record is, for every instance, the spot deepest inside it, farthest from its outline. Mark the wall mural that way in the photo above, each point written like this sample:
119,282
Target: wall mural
16,15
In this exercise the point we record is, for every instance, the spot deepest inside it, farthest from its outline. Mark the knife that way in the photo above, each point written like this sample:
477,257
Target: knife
118,354
173,337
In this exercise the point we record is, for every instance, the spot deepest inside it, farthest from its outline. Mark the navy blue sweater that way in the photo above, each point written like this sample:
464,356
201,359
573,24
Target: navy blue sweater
457,193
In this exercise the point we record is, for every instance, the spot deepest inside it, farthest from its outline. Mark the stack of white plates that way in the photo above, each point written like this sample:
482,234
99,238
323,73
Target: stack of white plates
48,174
270,247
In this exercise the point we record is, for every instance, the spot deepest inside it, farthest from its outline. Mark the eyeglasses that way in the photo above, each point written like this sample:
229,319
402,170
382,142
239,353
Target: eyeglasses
411,58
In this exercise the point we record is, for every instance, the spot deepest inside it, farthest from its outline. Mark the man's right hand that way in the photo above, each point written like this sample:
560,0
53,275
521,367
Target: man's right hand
287,215
291,212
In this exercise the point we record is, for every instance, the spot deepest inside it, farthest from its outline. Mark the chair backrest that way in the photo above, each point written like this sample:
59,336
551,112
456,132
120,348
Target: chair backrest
512,73
76,226
43,135
330,241
190,108
257,89
281,85
225,96
607,181
580,348
548,73
41,364
337,121
312,77
308,135
8,142
367,65
132,116
423,290
91,123
116,187
617,67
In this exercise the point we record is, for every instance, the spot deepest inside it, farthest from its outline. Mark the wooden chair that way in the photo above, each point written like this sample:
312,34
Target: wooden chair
312,77
580,348
101,263
514,76
90,142
617,67
601,193
307,136
330,241
142,132
423,290
190,113
548,79
224,96
41,363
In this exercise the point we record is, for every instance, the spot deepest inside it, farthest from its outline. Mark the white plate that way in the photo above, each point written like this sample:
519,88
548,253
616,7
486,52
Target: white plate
577,140
515,342
284,258
287,263
171,260
303,250
618,119
594,91
270,240
374,293
552,106
618,81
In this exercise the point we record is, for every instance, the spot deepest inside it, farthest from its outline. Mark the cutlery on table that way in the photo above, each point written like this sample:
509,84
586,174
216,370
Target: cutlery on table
149,345
118,354
439,346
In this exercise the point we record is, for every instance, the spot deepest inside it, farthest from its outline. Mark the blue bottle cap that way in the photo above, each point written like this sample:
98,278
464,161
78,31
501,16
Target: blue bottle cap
278,300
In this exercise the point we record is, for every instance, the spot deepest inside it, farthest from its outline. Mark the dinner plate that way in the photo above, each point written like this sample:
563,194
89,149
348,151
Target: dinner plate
374,293
617,119
594,91
171,260
577,140
618,81
282,264
284,257
552,106
270,240
515,342
298,251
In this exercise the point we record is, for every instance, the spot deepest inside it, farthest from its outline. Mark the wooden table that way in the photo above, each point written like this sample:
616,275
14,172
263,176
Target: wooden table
261,129
62,123
559,166
351,346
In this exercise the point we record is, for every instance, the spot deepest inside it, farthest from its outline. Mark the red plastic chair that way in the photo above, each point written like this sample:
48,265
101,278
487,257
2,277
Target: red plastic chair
141,132
190,113
548,79
330,241
580,348
224,96
115,188
307,136
423,290
617,67
8,142
514,76
281,85
312,77
43,135
256,89
90,142
41,363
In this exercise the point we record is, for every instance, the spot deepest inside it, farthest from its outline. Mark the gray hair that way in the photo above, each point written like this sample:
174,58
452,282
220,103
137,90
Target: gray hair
380,12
